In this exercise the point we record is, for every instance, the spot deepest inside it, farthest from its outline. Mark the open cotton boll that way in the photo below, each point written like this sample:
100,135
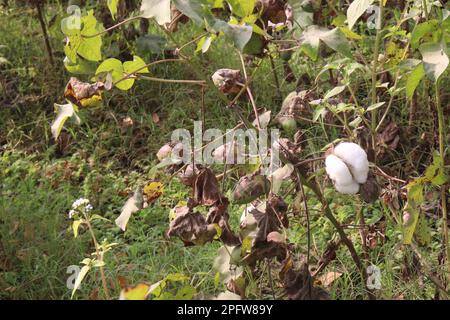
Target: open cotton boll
338,171
356,159
351,188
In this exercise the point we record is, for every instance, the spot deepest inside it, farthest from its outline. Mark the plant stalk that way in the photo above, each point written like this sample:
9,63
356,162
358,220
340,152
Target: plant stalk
441,129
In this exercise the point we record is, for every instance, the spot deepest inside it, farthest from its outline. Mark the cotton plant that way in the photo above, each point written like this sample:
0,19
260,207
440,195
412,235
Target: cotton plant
348,167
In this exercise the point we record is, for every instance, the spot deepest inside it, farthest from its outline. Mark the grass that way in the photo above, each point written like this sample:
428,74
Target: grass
104,160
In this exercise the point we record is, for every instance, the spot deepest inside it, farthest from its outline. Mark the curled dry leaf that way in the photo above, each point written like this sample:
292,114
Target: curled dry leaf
83,94
191,227
218,214
249,188
206,188
328,278
189,175
228,81
132,205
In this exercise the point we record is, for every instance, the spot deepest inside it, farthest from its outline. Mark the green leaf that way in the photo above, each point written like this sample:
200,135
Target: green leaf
64,112
435,59
204,43
355,10
192,9
414,79
242,8
186,292
421,30
112,6
136,64
410,226
435,173
333,92
335,39
116,68
82,42
82,66
80,278
375,106
239,35
158,9
423,231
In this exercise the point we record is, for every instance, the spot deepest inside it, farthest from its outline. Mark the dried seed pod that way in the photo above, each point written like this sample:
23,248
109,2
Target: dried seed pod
170,149
272,10
228,81
249,188
295,106
189,175
370,190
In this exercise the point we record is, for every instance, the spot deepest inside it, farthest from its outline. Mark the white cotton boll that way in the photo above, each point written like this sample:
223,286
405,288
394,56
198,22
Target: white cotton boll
356,159
351,188
337,170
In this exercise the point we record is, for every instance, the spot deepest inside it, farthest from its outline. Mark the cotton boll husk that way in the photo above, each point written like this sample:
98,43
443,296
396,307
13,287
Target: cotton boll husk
356,159
338,171
351,188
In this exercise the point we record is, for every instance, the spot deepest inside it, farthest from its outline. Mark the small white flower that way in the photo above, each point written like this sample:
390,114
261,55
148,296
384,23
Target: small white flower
80,205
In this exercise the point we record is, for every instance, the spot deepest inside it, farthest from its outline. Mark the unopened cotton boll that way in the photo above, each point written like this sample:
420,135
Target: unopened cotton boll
338,171
355,158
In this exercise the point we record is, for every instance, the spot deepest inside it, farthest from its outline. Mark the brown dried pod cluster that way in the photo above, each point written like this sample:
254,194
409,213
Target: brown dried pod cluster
387,140
370,190
192,227
228,81
82,93
295,107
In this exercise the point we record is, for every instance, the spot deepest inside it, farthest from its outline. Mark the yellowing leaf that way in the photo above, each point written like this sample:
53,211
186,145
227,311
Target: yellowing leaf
153,191
75,225
112,6
137,292
80,278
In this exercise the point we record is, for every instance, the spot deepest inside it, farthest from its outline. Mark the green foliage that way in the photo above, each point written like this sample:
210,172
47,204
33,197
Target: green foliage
82,40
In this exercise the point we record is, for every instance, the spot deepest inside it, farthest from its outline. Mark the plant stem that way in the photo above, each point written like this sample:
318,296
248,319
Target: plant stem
374,72
344,239
425,8
199,82
112,27
441,128
275,76
128,75
99,256
44,31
